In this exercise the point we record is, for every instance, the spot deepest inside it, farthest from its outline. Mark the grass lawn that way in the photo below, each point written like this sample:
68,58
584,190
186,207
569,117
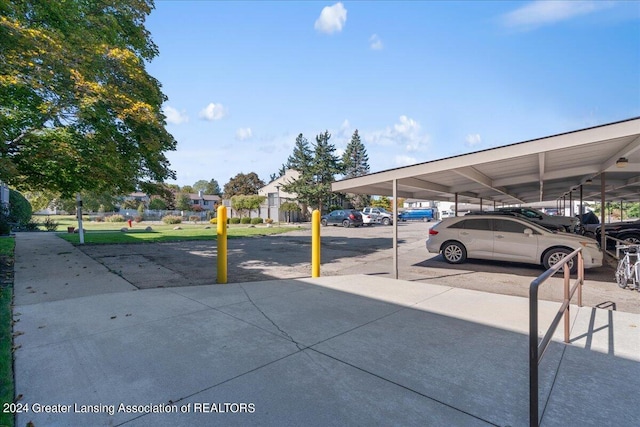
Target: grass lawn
110,233
6,341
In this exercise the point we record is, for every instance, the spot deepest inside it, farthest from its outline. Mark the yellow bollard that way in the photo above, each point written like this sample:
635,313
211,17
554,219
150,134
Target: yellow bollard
315,243
222,244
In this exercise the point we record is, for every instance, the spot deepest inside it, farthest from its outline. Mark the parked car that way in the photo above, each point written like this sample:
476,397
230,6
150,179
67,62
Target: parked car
507,238
344,217
424,214
377,215
447,214
550,221
629,231
552,227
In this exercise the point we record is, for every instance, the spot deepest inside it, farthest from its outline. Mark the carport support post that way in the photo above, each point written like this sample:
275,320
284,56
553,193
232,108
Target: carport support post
79,214
315,243
395,228
603,239
222,244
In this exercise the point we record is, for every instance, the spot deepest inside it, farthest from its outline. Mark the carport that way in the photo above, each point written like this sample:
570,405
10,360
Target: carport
601,162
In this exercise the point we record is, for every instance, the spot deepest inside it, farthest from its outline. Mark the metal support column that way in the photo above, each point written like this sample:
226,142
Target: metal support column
603,240
395,228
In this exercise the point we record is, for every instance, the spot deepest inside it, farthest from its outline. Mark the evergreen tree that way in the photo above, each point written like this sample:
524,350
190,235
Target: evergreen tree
326,165
356,163
301,160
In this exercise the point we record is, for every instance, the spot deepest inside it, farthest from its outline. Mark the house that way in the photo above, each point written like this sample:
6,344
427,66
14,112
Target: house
276,196
205,201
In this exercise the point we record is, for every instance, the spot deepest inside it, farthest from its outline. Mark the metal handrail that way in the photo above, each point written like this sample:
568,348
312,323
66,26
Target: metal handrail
536,351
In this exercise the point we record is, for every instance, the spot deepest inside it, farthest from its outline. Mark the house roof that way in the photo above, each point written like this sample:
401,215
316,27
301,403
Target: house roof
542,169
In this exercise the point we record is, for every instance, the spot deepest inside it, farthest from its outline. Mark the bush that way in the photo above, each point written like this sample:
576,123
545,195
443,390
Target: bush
234,220
50,225
172,219
213,221
114,218
137,218
245,220
256,220
269,220
19,209
31,225
99,219
194,218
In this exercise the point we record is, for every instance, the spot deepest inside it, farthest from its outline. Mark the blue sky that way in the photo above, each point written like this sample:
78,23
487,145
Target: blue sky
419,80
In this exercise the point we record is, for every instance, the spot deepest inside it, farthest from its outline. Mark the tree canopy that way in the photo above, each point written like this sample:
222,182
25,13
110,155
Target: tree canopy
78,110
356,163
243,184
318,166
208,187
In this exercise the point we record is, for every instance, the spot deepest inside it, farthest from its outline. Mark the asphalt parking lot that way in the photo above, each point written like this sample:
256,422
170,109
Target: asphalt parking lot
363,250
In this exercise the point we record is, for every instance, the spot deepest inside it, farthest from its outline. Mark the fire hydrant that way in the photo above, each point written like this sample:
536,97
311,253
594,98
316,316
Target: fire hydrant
129,221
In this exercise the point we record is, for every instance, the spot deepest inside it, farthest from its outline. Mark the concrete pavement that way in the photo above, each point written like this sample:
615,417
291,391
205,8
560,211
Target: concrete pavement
342,350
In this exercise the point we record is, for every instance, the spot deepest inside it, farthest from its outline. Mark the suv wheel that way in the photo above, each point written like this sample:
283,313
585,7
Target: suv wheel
346,223
454,253
386,221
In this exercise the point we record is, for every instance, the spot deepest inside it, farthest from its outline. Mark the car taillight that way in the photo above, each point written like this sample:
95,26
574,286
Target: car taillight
352,216
432,232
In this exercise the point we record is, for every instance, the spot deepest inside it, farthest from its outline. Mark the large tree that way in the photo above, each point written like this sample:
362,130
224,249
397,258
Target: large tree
243,184
78,111
318,166
208,187
356,163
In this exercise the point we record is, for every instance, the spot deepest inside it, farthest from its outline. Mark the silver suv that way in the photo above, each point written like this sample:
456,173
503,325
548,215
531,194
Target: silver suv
378,215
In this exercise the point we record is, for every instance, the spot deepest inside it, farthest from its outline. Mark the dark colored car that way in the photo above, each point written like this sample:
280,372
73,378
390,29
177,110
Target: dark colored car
628,231
551,227
344,217
571,225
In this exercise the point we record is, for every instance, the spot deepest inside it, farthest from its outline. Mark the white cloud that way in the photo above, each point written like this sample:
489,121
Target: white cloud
213,112
375,43
243,134
473,139
540,12
174,116
402,160
332,19
406,132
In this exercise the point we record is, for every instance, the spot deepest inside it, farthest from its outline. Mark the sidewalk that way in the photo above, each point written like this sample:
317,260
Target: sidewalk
346,350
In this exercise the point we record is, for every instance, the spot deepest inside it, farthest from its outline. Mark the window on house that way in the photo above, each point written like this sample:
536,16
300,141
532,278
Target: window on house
273,199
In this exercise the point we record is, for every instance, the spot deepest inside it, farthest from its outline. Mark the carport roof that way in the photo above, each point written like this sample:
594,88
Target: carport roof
538,170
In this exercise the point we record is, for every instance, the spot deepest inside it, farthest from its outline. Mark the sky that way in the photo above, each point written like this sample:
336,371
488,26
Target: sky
419,80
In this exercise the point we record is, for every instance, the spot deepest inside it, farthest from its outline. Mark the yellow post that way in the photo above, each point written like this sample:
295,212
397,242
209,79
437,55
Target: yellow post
315,243
222,244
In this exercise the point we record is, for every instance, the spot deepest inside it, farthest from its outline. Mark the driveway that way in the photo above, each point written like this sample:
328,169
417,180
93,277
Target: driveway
363,250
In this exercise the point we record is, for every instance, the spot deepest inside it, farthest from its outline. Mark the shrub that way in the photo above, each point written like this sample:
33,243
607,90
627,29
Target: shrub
213,221
31,225
269,220
256,220
234,220
114,218
245,220
50,225
172,219
194,218
137,218
19,209
99,219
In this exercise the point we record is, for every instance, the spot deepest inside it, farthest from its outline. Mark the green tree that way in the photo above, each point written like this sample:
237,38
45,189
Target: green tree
157,204
187,189
183,202
207,187
382,202
78,111
356,163
317,167
243,184
246,203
